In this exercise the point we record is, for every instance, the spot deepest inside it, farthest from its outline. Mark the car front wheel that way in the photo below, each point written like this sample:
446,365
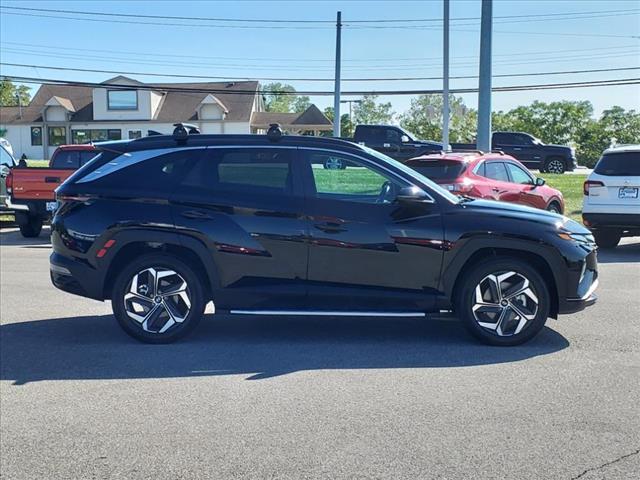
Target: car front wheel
503,301
158,299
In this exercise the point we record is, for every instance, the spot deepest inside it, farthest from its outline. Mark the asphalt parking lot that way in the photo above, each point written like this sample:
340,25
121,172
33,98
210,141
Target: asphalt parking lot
311,397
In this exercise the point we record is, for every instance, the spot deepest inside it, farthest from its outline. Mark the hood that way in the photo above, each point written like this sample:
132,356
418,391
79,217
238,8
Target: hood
562,148
521,212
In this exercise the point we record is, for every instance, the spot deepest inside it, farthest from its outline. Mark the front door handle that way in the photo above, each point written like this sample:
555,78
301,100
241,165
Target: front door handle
196,215
495,189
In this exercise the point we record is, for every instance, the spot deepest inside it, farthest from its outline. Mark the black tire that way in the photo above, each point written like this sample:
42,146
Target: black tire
607,238
554,207
555,165
32,228
194,292
465,300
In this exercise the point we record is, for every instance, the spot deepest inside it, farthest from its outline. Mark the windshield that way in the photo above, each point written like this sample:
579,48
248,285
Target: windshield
413,175
619,164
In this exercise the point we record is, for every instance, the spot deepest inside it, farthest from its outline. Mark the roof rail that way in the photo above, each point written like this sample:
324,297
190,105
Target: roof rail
465,150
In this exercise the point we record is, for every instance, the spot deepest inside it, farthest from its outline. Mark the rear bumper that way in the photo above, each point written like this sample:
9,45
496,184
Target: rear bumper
75,277
610,220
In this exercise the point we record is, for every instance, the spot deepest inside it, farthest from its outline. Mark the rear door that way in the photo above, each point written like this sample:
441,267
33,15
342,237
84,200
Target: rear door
367,252
245,205
619,175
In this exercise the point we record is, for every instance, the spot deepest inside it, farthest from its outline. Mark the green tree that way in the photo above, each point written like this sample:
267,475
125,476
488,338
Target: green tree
9,94
346,127
424,118
300,103
368,111
278,103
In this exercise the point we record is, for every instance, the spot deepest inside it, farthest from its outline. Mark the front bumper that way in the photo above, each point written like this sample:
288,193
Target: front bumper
586,284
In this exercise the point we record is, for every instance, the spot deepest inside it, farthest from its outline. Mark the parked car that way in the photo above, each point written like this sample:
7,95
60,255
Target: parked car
611,202
489,176
31,190
162,225
7,162
393,141
531,151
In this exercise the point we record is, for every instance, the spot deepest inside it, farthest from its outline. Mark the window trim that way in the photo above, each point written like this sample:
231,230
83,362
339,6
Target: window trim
121,109
506,170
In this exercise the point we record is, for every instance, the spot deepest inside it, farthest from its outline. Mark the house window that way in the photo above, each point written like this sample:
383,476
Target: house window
95,135
122,99
36,135
57,136
133,134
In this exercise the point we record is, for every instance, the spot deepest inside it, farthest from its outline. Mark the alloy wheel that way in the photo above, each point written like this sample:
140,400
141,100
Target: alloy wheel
157,299
555,166
504,303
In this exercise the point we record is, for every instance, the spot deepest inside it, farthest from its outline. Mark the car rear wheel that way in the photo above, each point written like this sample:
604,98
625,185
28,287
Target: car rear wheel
503,301
607,238
554,165
158,299
32,228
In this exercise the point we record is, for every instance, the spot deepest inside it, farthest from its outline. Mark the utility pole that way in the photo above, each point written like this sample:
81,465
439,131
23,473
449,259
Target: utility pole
19,104
484,85
336,95
445,78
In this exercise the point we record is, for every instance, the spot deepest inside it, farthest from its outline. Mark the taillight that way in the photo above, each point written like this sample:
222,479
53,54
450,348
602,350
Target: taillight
591,183
460,185
9,182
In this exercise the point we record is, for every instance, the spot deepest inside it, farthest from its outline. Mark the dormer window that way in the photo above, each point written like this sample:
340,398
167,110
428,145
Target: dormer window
122,99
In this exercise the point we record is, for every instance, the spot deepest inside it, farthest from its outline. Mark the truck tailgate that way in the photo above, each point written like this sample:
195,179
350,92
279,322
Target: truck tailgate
37,183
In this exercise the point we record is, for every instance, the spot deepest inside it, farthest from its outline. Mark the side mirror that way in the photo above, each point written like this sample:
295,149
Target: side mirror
540,182
4,171
413,195
404,139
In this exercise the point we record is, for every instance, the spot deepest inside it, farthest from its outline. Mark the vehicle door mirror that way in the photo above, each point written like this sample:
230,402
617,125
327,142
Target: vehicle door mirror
4,170
413,194
540,182
404,139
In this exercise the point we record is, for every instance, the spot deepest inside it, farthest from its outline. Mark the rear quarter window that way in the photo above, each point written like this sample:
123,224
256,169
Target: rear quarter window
619,164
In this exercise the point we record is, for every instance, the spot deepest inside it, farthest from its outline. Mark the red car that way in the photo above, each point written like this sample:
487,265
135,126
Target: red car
492,176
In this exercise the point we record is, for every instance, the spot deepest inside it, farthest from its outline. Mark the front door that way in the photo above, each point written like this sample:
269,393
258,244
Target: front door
368,252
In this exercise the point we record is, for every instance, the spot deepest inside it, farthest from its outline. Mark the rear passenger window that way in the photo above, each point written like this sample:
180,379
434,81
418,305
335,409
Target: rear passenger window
496,171
266,171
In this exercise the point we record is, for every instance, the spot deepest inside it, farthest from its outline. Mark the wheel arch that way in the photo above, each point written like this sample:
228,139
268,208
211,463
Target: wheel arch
132,244
473,255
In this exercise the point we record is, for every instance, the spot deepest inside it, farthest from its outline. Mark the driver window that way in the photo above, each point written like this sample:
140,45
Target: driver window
340,177
518,175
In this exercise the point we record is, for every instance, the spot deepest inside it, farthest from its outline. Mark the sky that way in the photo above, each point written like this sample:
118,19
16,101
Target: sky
528,42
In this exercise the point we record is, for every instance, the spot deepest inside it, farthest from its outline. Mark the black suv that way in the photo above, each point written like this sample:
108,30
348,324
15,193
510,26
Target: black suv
256,223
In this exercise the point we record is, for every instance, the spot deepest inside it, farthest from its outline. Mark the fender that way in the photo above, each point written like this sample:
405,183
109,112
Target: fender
464,249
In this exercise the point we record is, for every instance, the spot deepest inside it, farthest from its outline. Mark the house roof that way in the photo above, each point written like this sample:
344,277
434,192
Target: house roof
311,117
175,106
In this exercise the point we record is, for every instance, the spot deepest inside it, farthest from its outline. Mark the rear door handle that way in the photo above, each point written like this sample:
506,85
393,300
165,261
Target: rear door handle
330,227
51,179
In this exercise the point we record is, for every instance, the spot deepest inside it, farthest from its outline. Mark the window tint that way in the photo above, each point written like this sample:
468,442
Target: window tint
623,163
439,170
141,172
66,159
87,155
496,171
518,175
345,178
392,135
370,134
266,171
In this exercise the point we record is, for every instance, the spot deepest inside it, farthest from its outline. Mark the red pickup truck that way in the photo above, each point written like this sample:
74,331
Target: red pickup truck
32,190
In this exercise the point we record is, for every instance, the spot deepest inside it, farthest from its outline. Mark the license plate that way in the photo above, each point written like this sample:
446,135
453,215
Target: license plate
628,192
51,206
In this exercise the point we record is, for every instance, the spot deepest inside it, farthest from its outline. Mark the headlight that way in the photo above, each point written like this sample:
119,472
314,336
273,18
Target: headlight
577,237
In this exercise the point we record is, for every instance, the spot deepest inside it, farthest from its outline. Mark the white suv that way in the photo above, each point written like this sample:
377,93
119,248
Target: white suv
611,206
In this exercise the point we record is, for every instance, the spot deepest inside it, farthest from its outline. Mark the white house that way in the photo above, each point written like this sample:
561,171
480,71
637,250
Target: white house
124,108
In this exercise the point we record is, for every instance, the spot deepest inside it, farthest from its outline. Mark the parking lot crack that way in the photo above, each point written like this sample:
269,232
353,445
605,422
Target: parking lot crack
604,465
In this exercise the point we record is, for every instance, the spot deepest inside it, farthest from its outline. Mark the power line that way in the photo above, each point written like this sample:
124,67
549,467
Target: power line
288,61
570,15
205,90
170,75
